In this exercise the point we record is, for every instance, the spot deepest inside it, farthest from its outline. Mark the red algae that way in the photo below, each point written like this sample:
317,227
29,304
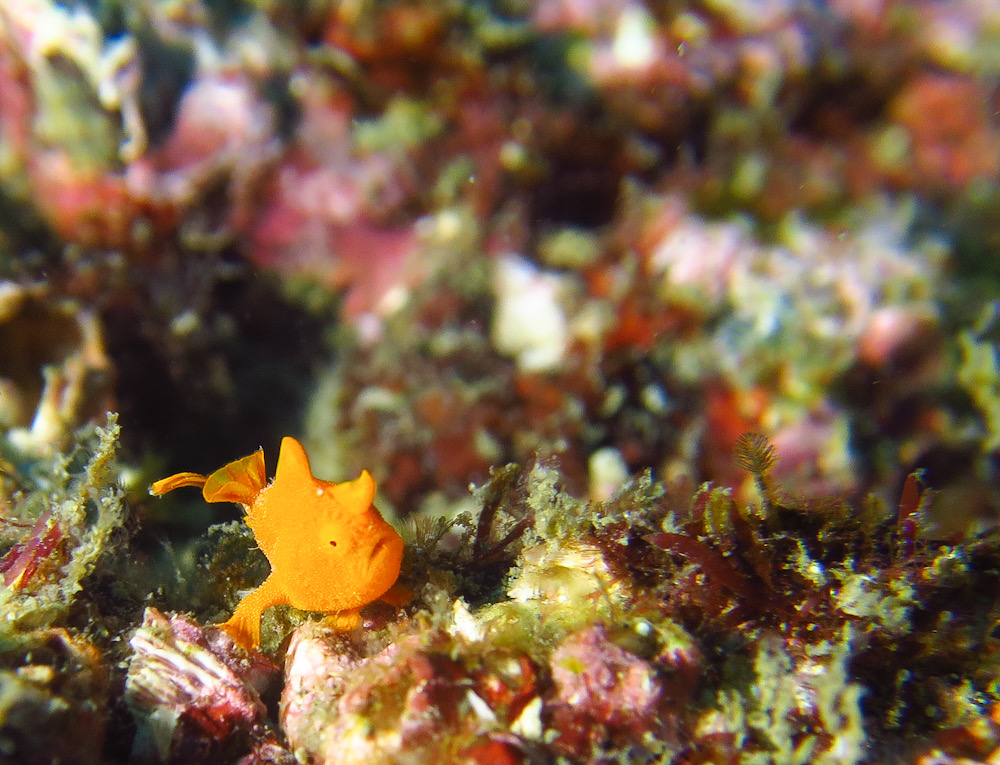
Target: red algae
21,562
602,692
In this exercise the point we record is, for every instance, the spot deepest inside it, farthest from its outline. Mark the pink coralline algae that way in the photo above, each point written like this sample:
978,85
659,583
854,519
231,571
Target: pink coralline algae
604,695
328,207
418,699
222,133
196,702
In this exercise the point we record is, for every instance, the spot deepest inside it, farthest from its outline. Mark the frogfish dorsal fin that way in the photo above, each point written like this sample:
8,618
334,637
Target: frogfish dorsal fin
293,464
240,481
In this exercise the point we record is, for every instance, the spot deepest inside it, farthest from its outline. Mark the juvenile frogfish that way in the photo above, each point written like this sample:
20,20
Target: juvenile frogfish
329,548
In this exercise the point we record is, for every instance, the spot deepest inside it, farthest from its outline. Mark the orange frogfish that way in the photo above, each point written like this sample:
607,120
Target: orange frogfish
329,548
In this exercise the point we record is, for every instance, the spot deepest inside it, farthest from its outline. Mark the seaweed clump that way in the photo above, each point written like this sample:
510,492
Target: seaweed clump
855,628
60,515
668,624
61,522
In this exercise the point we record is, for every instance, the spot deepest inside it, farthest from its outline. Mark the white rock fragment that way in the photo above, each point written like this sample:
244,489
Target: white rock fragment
529,722
634,44
607,472
529,323
464,624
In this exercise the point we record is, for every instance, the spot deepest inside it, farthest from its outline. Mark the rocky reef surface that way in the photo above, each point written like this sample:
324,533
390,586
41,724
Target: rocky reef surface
668,331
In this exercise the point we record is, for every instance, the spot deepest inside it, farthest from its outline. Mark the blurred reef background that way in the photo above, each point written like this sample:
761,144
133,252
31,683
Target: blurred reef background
668,330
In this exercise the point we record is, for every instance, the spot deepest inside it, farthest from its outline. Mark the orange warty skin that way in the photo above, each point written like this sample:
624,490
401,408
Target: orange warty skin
329,548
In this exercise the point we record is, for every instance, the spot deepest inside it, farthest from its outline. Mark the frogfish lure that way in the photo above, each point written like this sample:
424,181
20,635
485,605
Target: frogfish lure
329,548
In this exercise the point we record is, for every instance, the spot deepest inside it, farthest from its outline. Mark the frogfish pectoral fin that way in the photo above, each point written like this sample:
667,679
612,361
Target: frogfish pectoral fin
344,621
244,625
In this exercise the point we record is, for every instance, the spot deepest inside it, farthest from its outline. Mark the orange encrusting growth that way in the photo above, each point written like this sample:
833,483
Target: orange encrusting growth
329,547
